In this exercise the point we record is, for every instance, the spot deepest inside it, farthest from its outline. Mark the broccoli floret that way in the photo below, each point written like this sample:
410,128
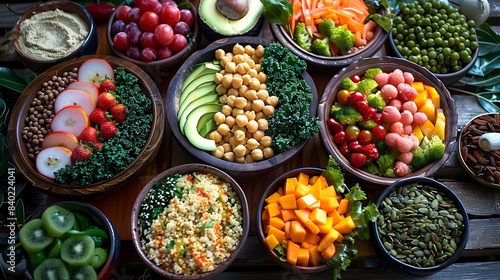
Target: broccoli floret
419,159
376,101
302,36
343,39
347,115
335,107
369,124
434,148
372,169
366,86
372,72
385,162
390,173
321,46
326,27
347,83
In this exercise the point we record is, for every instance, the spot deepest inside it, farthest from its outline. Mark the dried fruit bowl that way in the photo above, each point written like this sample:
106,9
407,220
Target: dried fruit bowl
27,166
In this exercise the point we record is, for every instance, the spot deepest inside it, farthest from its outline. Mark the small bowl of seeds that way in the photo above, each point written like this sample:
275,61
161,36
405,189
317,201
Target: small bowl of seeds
423,227
479,149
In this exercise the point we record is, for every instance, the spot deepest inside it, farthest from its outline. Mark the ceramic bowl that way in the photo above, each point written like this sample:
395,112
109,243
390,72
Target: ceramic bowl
162,66
387,64
26,166
37,64
172,105
137,231
424,260
321,63
112,244
475,161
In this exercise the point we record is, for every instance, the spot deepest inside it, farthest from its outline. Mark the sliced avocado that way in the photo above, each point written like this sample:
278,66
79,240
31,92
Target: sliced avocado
207,99
190,127
201,69
207,127
208,89
203,121
208,78
216,26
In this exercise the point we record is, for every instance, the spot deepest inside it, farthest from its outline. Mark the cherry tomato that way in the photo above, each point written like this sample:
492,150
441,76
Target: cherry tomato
343,96
370,151
357,159
352,133
378,118
335,125
339,137
344,148
362,107
365,137
355,97
379,132
355,78
355,147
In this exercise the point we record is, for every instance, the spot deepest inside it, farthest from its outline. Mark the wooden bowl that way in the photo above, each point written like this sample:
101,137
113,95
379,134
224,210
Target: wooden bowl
165,65
387,64
273,187
112,244
381,244
186,169
27,167
89,46
172,105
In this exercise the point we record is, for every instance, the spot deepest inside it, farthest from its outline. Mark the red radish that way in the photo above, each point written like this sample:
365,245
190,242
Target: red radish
77,97
52,159
72,119
95,70
89,87
60,138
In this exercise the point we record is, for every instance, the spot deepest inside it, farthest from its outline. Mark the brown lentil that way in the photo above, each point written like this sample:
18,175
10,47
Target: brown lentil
40,114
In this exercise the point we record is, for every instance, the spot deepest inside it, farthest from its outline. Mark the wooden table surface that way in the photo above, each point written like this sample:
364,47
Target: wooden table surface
481,259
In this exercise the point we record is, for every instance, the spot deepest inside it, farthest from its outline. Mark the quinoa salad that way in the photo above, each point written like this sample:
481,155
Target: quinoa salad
190,223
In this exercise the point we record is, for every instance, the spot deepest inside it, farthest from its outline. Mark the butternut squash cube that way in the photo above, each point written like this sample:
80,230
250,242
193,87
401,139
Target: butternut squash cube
303,257
288,201
308,224
433,95
427,129
418,133
328,239
419,86
314,256
345,226
307,245
271,241
329,191
272,198
273,209
318,216
277,222
421,98
297,232
315,190
336,216
301,190
290,185
287,214
328,252
343,206
279,234
329,203
312,238
292,252
303,178
327,226
315,205
429,110
306,201
440,125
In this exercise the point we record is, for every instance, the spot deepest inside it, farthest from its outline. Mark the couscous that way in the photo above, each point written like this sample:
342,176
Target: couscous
200,226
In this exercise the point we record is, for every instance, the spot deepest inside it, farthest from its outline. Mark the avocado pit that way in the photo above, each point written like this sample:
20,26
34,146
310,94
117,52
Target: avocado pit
233,9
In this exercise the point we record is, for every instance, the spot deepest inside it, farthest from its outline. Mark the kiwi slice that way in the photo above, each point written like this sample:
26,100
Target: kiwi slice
51,269
99,257
86,272
77,250
57,220
33,237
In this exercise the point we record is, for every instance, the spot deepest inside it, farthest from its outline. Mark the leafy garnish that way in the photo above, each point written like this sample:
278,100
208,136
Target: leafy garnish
183,251
334,175
277,11
171,244
208,224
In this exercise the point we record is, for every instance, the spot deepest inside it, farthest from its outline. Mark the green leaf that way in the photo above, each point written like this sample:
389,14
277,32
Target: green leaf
11,80
20,218
482,81
277,11
485,64
487,29
488,47
490,101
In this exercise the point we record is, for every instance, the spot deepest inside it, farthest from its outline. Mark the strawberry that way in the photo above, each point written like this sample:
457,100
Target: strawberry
107,86
98,115
80,153
118,112
96,146
106,100
88,134
108,130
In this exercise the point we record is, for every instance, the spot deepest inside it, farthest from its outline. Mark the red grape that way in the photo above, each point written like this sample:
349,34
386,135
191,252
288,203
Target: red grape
365,137
122,13
355,78
149,5
149,21
148,54
163,52
117,26
178,43
148,40
170,14
120,41
187,17
134,52
137,3
134,14
181,28
339,137
379,131
357,159
130,25
134,35
355,97
164,34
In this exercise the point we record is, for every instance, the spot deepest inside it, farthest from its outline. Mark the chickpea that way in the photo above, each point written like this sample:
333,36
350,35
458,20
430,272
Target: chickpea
223,129
253,73
252,126
246,79
268,110
229,156
227,147
234,142
232,92
237,111
262,77
230,121
230,100
226,138
223,99
252,144
216,136
241,120
262,94
257,154
230,67
221,89
250,115
239,150
248,107
257,66
224,60
254,83
238,49
250,63
257,135
258,105
227,110
268,152
219,118
219,152
243,68
218,78
240,102
239,159
237,82
259,51
266,141
249,50
260,115
243,89
219,53
249,159
272,100
227,80
263,86
263,124
238,58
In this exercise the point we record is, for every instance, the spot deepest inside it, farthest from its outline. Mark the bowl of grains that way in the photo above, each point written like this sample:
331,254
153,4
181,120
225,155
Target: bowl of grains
234,105
70,136
479,149
53,32
190,222
423,227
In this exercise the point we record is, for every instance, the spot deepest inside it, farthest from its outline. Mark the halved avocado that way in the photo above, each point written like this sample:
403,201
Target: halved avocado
215,26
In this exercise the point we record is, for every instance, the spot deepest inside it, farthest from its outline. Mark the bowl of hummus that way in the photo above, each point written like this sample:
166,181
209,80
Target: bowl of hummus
53,32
